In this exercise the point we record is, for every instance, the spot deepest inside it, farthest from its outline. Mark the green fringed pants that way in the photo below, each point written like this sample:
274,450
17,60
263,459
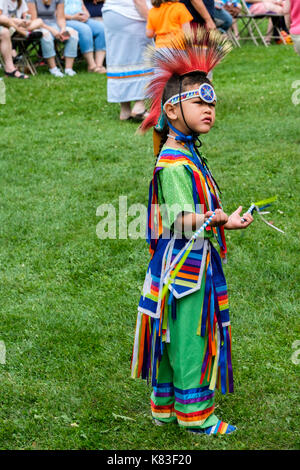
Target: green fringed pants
178,395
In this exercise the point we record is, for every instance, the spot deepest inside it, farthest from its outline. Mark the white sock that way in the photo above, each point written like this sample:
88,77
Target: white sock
70,72
56,72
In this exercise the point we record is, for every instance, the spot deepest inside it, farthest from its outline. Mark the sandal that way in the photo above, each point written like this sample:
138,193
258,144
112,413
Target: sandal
98,69
140,116
13,75
125,117
101,68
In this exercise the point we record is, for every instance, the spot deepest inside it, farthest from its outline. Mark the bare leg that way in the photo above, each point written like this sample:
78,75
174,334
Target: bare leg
69,61
269,31
6,52
99,58
89,57
235,28
125,111
138,108
51,62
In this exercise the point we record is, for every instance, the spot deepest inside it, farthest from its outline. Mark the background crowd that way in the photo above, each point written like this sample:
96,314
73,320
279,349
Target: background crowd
76,24
118,31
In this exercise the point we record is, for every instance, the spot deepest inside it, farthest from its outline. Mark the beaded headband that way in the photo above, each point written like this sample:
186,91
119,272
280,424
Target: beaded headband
205,92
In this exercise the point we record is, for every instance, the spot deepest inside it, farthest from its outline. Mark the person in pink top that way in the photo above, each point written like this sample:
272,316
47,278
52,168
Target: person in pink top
292,12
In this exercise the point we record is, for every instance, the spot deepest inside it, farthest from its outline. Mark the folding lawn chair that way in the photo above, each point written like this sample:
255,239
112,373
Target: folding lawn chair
251,25
26,49
29,54
233,38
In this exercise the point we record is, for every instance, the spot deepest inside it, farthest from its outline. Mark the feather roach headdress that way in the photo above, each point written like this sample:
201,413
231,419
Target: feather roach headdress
198,50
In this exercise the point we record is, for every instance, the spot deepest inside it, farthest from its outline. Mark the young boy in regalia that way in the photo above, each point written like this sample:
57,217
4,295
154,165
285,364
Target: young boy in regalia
183,333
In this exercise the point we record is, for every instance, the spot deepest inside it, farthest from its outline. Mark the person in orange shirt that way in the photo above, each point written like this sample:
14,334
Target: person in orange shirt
166,20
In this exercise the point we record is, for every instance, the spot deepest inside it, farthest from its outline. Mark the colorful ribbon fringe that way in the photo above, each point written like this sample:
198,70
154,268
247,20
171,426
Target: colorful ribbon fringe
152,333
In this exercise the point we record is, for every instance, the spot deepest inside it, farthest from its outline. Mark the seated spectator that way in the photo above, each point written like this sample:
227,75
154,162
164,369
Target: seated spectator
94,8
17,10
53,16
292,12
90,32
8,22
223,18
261,7
6,47
258,7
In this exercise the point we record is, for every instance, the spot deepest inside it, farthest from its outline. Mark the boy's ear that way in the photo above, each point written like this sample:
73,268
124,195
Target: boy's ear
171,111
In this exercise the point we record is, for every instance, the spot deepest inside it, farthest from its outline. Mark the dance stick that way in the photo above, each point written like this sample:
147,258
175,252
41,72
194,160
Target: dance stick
251,209
258,206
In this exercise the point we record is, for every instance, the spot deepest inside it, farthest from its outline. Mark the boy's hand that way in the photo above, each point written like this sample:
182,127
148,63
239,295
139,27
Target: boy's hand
219,219
235,221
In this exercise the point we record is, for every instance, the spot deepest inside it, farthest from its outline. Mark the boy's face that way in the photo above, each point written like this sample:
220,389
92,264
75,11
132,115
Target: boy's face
200,116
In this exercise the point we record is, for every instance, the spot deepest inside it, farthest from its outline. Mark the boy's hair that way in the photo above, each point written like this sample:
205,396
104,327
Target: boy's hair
157,3
173,85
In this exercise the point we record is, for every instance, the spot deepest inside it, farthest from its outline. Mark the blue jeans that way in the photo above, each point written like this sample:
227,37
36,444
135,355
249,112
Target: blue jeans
47,42
91,35
223,19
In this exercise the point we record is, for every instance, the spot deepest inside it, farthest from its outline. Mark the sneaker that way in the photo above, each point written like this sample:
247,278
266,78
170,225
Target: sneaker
158,423
56,72
70,72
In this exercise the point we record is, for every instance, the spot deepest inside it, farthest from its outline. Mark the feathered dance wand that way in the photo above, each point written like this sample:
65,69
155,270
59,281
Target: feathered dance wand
260,206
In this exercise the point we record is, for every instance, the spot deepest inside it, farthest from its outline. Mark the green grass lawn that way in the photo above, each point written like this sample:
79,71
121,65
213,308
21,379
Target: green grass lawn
69,300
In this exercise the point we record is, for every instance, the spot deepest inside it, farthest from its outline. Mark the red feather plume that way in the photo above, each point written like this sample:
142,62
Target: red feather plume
198,50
